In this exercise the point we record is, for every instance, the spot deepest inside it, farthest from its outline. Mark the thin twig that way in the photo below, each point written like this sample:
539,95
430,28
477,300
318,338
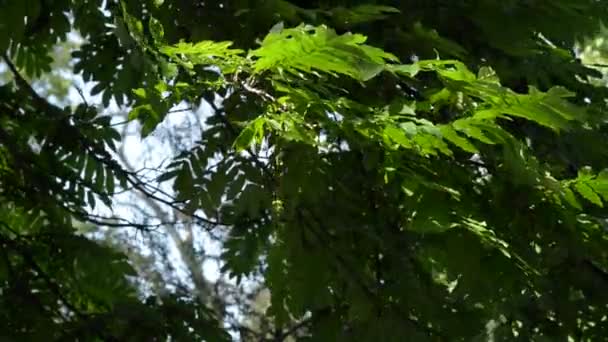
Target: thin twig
81,93
258,92
179,110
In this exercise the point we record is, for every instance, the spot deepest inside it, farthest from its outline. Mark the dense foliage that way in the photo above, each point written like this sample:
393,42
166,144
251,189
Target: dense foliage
390,170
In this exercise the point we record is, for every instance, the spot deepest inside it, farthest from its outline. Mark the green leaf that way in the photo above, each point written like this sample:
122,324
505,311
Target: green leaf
235,187
136,28
218,54
429,220
138,111
253,133
306,48
587,192
398,136
409,70
452,136
488,74
217,186
110,186
486,235
90,169
569,196
184,183
468,127
156,30
205,48
91,199
99,178
450,69
167,176
141,92
548,109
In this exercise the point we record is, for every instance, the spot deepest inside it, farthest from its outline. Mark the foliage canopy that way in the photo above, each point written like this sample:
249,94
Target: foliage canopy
394,170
